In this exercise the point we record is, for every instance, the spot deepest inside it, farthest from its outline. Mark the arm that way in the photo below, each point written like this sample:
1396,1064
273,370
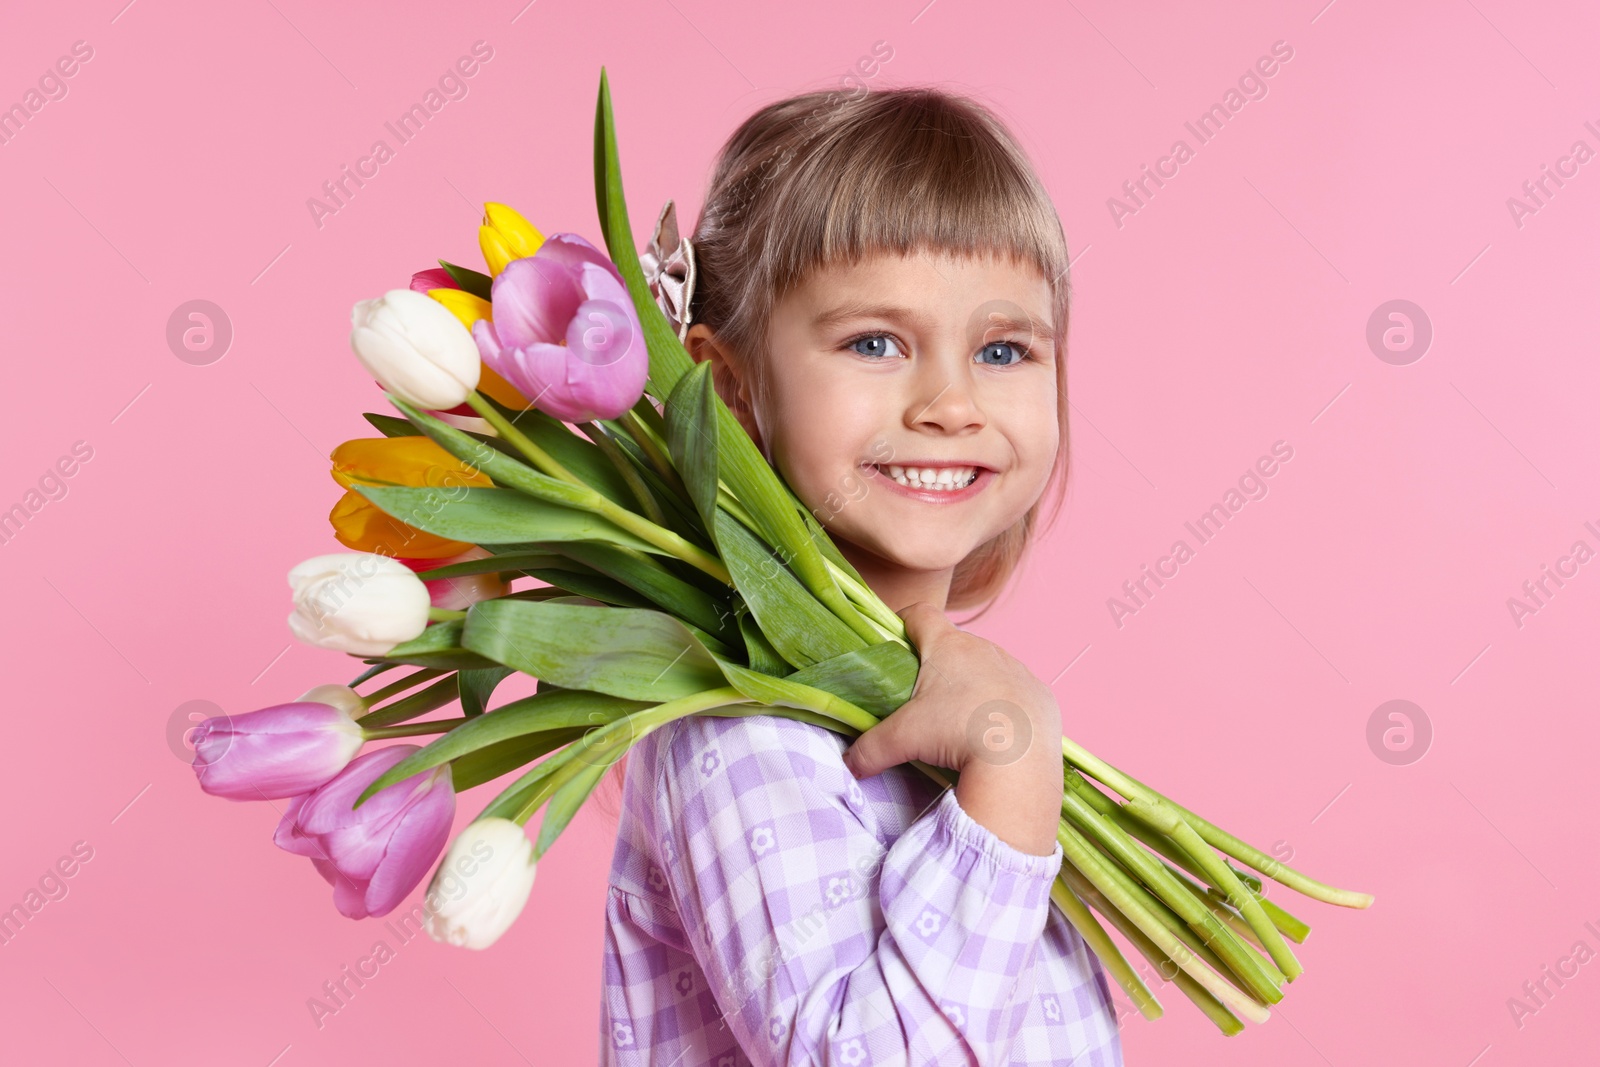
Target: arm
822,947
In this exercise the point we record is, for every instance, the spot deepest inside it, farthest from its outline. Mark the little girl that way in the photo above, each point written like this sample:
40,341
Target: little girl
881,290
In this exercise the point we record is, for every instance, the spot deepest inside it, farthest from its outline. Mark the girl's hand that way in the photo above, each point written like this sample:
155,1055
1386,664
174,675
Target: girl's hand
979,711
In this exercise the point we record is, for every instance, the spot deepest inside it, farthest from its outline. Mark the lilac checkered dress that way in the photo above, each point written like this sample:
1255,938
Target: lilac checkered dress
767,908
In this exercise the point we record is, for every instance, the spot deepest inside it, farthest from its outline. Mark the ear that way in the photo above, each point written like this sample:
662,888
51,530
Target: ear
727,377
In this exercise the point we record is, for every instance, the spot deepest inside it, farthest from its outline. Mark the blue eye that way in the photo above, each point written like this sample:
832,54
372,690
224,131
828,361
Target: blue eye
877,343
993,354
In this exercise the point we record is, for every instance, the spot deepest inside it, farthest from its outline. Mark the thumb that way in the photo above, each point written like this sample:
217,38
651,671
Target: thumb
924,622
881,747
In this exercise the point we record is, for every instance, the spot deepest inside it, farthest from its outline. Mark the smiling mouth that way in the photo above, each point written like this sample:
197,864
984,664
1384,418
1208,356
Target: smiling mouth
948,479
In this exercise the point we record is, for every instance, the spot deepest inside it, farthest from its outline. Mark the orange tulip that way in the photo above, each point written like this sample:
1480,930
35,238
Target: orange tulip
418,462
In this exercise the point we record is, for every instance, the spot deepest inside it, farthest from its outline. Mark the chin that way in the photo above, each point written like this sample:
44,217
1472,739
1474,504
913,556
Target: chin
933,552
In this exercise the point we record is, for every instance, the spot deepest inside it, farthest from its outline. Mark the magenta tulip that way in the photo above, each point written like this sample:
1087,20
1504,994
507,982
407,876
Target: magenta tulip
458,594
275,752
565,333
374,855
436,278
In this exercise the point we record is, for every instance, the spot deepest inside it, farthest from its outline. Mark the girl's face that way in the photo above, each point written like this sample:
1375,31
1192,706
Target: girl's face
932,363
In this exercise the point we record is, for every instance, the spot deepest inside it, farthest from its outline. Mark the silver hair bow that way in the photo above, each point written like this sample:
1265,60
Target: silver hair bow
669,267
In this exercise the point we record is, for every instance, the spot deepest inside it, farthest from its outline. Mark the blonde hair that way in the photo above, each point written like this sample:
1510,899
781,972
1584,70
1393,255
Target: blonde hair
832,176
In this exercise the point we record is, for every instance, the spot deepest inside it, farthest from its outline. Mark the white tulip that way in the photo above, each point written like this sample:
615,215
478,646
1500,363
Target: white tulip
359,602
481,885
416,348
339,696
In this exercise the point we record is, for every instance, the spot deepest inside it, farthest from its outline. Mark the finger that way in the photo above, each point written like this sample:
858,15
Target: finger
924,623
882,747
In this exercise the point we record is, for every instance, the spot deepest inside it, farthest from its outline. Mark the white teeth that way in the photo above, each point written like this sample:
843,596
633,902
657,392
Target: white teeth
947,479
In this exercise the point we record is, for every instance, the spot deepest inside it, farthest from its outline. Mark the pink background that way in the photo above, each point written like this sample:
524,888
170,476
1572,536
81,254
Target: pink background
1228,313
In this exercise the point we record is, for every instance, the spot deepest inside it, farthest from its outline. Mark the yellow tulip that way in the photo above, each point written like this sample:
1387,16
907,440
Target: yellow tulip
465,306
361,525
469,309
506,235
507,394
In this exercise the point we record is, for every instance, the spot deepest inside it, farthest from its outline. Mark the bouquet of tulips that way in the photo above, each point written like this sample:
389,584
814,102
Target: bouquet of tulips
554,427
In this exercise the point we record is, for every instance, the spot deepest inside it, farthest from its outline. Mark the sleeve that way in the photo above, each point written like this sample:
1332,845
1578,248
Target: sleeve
821,946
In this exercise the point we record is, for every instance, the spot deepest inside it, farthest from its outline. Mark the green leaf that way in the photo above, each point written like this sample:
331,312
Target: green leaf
819,537
481,516
372,672
681,516
476,687
492,761
775,510
414,705
645,575
626,652
437,646
690,416
762,656
566,801
558,710
510,562
802,630
668,359
583,459
593,586
577,454
789,692
475,282
878,678
390,426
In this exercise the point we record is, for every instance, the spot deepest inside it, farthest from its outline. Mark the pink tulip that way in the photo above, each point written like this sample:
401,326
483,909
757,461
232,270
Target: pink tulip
565,333
437,278
275,752
374,855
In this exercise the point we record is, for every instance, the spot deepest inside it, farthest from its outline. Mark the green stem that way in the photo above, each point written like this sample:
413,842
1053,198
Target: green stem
1223,841
445,614
625,467
1126,898
1179,929
1161,816
1094,935
1213,1008
1292,928
872,606
1237,957
412,729
665,540
521,441
655,451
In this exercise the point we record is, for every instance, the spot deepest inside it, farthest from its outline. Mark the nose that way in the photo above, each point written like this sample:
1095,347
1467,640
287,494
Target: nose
944,399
